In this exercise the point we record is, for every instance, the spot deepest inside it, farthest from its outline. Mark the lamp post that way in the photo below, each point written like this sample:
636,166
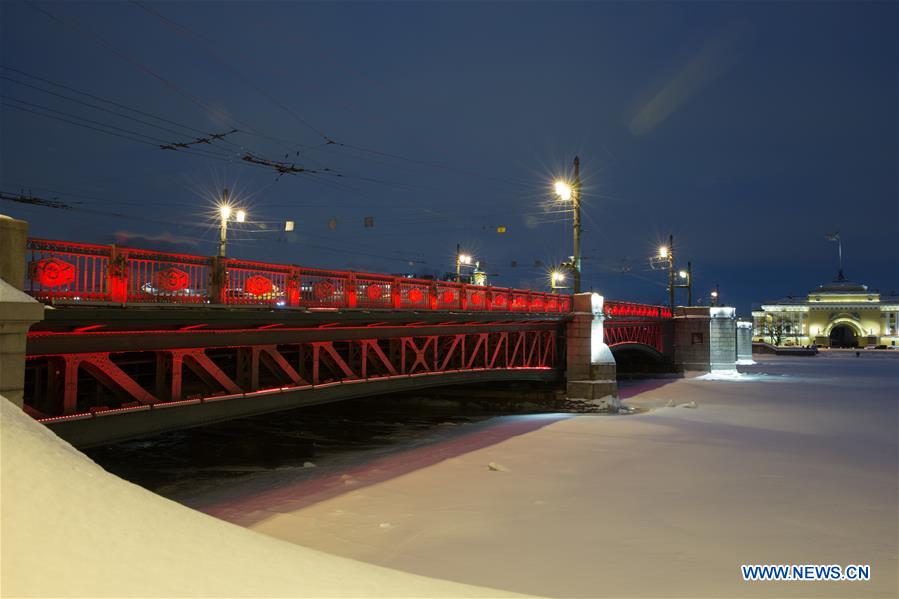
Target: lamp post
715,293
225,212
556,281
572,192
461,259
686,278
666,252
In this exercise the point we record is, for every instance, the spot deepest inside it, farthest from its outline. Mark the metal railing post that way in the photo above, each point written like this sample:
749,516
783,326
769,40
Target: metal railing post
350,294
117,275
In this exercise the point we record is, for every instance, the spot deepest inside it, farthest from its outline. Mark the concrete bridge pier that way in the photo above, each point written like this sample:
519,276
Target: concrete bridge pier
591,370
744,342
705,339
18,311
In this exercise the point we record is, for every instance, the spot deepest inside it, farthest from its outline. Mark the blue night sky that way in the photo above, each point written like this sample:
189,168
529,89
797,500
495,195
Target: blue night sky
748,130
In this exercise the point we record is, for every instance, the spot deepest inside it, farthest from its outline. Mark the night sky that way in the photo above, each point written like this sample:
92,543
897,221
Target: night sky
748,130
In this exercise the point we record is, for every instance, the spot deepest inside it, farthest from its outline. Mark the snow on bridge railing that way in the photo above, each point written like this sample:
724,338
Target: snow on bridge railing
80,272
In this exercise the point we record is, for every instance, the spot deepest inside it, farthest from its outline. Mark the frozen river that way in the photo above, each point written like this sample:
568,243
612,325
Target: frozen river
792,462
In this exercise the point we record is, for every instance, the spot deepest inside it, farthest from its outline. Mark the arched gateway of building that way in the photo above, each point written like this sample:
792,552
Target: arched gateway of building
842,335
838,314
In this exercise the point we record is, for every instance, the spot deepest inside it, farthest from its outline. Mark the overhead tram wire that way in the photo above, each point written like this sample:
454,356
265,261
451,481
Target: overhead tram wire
185,32
119,114
193,98
198,39
215,114
128,134
101,99
32,200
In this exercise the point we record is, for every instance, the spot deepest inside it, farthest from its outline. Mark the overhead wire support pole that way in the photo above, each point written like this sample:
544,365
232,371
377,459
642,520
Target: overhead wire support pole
576,205
671,272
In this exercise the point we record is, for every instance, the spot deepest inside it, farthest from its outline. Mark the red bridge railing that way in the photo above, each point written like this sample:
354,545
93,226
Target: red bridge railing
80,272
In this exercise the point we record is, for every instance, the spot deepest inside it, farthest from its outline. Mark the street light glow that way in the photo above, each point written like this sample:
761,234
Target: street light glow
714,294
682,274
225,211
557,277
563,190
464,259
663,251
241,216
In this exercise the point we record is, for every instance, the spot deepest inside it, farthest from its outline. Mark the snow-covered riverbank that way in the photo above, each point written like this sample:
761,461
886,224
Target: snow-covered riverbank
70,529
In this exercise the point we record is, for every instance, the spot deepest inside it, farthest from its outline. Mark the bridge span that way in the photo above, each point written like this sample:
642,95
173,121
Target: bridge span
134,342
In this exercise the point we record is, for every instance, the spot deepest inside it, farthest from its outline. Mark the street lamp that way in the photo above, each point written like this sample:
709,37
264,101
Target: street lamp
677,279
556,281
572,192
461,259
225,212
714,295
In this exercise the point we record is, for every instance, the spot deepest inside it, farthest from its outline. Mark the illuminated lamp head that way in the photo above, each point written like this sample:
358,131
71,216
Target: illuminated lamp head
563,190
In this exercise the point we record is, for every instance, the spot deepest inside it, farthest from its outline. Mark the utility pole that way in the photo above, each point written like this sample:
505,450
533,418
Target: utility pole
458,263
576,201
689,283
671,272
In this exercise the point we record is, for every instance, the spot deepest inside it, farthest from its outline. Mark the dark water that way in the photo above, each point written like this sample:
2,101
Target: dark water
183,463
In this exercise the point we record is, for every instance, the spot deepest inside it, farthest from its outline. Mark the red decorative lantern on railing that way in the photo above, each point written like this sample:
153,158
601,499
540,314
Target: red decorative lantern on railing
52,272
323,290
170,280
415,295
448,297
374,292
258,286
477,299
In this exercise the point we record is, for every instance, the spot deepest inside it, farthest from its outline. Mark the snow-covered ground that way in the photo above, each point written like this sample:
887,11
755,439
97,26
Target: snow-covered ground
70,529
793,461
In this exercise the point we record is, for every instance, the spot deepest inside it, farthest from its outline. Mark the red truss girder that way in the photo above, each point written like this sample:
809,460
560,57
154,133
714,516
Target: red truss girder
643,333
232,371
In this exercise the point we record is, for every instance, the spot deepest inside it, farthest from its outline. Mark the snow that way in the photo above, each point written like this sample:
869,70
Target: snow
668,502
71,529
792,461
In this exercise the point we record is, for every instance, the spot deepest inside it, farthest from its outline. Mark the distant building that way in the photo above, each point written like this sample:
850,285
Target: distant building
838,314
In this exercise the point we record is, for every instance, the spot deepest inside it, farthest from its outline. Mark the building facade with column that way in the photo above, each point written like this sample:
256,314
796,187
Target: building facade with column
841,313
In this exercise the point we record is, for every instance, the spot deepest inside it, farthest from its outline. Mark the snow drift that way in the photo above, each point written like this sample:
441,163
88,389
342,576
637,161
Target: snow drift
69,528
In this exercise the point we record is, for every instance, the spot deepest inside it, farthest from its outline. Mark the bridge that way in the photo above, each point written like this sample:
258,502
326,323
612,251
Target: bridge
131,342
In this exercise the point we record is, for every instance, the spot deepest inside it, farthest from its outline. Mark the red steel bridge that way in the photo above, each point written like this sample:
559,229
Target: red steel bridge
137,341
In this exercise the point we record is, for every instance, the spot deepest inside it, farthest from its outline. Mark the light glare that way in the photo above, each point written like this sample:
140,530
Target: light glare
563,190
225,211
241,216
663,251
683,274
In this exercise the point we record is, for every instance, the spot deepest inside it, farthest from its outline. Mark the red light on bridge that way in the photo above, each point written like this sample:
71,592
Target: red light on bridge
415,295
477,298
323,290
449,297
374,292
171,279
499,301
53,272
258,285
